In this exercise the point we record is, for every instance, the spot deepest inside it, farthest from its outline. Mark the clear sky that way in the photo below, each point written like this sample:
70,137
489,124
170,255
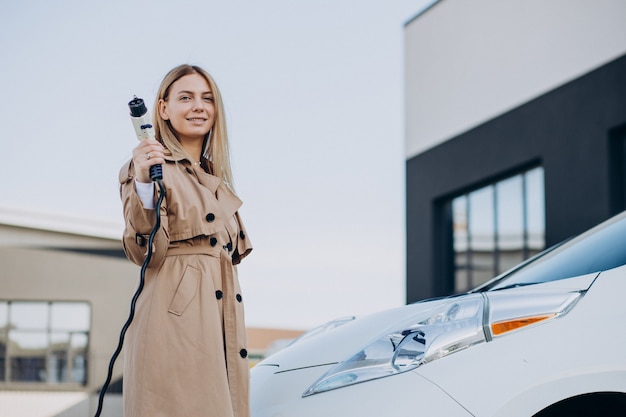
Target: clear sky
314,100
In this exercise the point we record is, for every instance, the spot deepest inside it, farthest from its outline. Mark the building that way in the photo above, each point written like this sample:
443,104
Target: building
515,133
65,293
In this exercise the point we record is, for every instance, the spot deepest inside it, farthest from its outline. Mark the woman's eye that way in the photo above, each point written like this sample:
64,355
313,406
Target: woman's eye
184,98
208,99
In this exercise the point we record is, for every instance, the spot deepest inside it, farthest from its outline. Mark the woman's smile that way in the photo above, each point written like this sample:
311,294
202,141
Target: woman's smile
196,119
189,109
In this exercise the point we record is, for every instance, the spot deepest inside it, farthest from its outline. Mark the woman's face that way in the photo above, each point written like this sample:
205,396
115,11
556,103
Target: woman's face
189,108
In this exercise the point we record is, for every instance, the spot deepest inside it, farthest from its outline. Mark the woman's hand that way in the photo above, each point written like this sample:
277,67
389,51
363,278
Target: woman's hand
149,152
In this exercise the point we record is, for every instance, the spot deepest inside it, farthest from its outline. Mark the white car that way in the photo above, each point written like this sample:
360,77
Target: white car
545,339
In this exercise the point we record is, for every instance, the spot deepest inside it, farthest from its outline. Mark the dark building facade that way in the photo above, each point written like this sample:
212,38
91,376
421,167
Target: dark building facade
575,135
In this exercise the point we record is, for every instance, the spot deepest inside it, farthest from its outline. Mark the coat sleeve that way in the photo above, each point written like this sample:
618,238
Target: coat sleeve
244,246
139,222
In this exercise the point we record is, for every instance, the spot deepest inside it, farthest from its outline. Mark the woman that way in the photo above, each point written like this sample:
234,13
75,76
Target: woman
185,353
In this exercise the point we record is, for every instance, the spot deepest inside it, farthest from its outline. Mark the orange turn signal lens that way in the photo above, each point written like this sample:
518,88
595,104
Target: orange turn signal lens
509,325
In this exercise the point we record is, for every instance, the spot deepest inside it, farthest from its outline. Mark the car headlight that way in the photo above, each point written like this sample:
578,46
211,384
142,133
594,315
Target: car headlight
448,328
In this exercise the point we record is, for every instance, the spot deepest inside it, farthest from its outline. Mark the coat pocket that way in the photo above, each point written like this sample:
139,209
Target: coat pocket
186,291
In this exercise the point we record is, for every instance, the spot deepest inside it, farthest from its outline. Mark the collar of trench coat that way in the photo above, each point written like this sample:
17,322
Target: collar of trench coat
229,203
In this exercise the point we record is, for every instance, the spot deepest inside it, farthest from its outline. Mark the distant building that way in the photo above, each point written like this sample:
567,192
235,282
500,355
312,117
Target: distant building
65,293
515,133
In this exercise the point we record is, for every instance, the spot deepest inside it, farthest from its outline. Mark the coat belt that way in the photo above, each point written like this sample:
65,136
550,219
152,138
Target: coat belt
214,251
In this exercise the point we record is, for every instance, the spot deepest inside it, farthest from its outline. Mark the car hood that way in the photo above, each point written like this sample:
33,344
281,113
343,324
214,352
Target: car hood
336,345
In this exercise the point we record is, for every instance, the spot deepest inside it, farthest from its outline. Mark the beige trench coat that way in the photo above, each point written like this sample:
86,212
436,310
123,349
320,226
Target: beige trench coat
185,351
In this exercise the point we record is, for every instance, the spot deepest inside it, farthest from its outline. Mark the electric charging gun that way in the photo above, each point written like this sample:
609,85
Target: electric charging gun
143,128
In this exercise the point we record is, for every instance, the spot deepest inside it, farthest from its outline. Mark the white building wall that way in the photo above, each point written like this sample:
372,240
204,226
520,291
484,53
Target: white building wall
470,61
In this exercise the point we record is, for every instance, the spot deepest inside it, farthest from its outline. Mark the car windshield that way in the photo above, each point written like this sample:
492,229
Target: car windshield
601,248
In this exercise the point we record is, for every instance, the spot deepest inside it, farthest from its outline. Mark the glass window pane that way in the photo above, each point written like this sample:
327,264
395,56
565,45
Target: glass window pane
4,328
460,236
47,341
482,268
496,227
30,368
57,367
29,315
481,235
59,340
28,356
535,209
79,341
79,358
27,341
462,279
3,351
459,223
70,316
57,360
4,315
510,219
481,219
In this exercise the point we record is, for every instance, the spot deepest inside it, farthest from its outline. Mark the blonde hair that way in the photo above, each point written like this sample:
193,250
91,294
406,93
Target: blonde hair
217,155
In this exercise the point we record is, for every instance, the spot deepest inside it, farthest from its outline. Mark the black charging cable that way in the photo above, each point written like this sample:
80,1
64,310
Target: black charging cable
142,278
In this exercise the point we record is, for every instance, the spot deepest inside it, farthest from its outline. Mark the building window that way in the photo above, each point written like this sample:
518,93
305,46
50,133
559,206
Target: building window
496,227
44,342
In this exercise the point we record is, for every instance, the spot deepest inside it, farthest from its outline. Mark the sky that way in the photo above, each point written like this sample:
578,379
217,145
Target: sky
315,109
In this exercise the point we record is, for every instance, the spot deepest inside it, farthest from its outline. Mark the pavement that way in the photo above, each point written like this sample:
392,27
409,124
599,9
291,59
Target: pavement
111,407
57,404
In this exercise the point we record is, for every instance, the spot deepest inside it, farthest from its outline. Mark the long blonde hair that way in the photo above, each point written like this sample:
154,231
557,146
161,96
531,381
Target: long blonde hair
217,154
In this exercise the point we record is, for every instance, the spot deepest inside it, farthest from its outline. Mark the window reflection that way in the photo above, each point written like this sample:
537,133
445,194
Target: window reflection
29,315
481,235
460,241
4,315
79,357
510,222
57,360
70,316
44,342
4,328
28,356
496,227
535,209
